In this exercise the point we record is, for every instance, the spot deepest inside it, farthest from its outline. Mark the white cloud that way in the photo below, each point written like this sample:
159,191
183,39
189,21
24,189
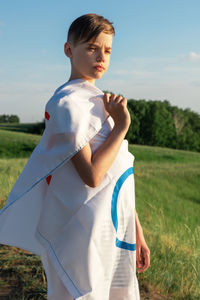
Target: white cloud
193,56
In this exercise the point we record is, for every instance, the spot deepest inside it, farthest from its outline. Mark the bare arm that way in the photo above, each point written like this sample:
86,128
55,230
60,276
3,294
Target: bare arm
92,167
142,250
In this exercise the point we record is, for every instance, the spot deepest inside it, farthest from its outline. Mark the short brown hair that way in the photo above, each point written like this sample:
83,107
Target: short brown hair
88,26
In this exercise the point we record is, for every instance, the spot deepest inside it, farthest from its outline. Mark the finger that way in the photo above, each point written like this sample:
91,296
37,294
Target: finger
123,101
112,97
146,261
141,262
144,268
138,250
118,99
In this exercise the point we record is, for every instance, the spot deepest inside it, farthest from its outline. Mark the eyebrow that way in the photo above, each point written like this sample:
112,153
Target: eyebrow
93,44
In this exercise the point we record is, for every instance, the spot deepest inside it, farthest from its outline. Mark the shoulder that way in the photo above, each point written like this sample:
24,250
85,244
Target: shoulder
76,98
75,106
61,102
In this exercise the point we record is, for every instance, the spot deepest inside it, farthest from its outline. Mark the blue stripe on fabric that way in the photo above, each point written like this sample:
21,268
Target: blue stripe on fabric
124,245
114,217
117,188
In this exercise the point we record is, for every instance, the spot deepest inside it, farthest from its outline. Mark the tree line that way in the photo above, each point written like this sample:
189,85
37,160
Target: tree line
154,123
9,119
158,123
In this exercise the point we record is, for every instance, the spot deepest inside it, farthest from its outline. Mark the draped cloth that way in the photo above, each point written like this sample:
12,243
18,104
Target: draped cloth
86,234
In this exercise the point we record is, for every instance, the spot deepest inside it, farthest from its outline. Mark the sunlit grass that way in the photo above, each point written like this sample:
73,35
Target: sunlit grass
168,205
10,169
17,144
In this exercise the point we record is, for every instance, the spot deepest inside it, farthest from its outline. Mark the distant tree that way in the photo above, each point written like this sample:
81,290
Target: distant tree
152,123
137,109
4,118
189,137
9,119
37,128
157,123
13,119
161,130
134,128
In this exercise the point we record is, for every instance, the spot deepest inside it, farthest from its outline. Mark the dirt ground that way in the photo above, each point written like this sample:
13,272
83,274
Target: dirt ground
152,296
22,273
6,292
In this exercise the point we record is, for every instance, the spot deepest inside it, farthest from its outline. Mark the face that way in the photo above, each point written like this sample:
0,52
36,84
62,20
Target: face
90,60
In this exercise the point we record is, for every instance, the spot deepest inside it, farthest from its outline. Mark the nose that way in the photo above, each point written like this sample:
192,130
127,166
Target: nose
100,55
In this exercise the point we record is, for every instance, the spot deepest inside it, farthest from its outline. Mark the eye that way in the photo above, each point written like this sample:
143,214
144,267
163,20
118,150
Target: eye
92,48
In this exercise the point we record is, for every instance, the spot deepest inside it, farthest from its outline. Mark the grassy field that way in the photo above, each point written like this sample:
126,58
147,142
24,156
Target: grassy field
24,127
17,144
168,205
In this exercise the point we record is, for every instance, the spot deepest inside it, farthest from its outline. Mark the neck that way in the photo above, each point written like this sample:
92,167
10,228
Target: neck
92,81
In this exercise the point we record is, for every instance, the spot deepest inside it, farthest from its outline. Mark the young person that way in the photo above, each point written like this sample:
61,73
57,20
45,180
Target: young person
73,203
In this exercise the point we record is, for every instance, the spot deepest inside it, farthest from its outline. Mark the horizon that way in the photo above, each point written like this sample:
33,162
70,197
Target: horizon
155,55
43,118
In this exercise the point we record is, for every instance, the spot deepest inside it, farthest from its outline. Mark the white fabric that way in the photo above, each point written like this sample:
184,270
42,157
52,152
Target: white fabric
84,235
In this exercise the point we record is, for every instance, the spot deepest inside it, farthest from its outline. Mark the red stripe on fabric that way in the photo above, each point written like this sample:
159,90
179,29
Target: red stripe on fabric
47,116
48,179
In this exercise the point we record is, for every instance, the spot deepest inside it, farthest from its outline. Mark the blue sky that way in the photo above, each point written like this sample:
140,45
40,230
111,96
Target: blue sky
156,51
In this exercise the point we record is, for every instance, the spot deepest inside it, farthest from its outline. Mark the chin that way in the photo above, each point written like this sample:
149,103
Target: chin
95,76
99,75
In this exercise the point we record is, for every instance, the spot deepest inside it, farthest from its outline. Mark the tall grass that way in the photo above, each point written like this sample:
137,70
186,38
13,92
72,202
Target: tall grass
10,169
22,275
168,205
17,144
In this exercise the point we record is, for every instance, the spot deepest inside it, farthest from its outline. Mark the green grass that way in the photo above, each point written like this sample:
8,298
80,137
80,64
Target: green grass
17,144
10,169
158,154
168,205
23,127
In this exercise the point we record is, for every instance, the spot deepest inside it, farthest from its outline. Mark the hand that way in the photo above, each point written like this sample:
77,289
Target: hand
116,106
142,253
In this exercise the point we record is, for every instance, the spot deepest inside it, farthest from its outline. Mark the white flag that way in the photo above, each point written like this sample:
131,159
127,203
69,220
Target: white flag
87,233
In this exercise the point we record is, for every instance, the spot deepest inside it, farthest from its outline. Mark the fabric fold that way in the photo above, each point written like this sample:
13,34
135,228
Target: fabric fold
53,213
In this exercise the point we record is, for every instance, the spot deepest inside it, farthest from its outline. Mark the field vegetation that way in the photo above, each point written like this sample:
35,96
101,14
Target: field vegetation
168,205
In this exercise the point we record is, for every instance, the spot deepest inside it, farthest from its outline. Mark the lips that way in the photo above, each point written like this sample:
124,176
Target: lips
99,68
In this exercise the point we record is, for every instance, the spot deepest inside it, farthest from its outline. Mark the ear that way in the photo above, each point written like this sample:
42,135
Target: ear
68,49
